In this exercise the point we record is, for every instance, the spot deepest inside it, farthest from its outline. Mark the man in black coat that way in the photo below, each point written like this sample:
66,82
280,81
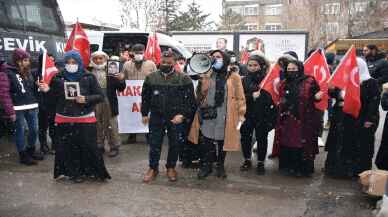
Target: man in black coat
377,65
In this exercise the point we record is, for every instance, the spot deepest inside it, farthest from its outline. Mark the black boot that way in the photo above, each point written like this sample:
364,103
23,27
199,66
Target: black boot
26,159
260,170
247,165
204,171
44,149
34,155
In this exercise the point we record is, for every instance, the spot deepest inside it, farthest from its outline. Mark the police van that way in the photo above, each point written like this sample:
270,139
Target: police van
33,25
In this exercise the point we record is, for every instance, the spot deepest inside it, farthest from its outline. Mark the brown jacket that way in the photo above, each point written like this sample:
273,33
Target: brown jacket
133,73
235,107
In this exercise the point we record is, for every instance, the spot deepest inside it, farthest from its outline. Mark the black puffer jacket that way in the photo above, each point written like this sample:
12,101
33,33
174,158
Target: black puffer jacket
261,109
378,68
89,88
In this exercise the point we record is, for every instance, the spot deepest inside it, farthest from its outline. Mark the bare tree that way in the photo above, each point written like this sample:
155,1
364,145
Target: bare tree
142,13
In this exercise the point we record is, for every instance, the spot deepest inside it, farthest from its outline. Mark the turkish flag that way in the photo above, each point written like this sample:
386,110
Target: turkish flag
153,51
271,83
48,68
347,77
79,41
316,66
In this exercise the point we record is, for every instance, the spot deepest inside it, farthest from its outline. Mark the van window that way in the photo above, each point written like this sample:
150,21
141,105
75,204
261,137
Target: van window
31,15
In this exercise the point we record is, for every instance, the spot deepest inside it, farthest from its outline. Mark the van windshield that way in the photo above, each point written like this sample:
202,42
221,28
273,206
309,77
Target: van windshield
31,15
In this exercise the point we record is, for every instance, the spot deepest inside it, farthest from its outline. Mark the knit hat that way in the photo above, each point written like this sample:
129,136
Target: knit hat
19,54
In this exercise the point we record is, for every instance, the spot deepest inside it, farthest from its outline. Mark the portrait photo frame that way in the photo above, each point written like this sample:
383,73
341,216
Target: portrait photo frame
72,90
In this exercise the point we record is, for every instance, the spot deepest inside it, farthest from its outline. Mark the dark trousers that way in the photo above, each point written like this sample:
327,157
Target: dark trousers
46,122
158,126
246,140
211,151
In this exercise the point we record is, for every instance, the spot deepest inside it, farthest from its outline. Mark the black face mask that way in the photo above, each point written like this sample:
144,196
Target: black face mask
291,75
165,68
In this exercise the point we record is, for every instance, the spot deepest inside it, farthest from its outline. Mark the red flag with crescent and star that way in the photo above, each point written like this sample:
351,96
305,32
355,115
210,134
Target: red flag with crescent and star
347,77
316,66
78,40
271,83
48,68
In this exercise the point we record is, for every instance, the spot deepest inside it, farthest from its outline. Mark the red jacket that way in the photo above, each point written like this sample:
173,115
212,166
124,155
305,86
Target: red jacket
5,98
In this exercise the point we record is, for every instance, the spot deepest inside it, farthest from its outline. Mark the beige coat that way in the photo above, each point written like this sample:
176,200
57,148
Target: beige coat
132,73
236,108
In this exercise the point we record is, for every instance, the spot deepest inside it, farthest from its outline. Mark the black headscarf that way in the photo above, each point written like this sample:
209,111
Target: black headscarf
292,88
221,76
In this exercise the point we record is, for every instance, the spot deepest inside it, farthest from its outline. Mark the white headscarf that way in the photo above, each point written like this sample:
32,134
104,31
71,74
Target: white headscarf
364,71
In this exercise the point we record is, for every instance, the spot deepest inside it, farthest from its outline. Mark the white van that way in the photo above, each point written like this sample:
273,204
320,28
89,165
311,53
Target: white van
112,42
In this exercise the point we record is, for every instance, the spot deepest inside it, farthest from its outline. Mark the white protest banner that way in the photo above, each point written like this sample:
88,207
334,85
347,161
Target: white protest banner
129,108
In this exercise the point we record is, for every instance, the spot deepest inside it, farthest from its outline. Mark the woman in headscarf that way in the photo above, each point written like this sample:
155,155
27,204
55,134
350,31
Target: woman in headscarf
222,107
350,143
107,111
77,155
382,156
260,116
298,121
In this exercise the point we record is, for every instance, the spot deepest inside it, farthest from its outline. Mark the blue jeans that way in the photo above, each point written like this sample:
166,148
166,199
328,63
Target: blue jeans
31,117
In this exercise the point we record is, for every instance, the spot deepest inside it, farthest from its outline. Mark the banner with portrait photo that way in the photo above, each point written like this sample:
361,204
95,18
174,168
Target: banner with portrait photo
130,118
274,45
202,43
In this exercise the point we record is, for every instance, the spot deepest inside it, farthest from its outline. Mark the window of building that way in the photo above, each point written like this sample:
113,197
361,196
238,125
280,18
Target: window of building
331,8
273,10
332,27
360,7
273,26
251,26
251,10
236,9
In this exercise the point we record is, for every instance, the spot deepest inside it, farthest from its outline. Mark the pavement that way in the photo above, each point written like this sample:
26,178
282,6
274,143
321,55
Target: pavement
32,191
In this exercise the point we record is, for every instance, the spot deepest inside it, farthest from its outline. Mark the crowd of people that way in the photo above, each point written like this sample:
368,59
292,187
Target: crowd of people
205,116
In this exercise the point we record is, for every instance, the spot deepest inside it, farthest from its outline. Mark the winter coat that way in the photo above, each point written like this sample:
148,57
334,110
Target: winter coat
23,90
6,106
236,108
168,96
132,73
262,109
378,68
89,88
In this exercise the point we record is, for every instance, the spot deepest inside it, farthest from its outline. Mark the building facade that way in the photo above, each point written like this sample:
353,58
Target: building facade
325,20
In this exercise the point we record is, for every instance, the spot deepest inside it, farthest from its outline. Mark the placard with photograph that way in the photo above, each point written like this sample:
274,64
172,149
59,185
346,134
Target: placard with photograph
72,90
113,68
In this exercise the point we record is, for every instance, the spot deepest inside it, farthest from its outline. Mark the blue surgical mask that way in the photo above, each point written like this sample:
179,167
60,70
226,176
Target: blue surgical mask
218,64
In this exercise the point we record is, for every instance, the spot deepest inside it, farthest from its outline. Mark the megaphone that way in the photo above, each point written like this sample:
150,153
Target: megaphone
199,64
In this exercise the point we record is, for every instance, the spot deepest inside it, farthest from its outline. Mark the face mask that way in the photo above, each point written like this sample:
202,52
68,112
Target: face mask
218,64
182,67
139,57
72,68
165,68
291,75
233,59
